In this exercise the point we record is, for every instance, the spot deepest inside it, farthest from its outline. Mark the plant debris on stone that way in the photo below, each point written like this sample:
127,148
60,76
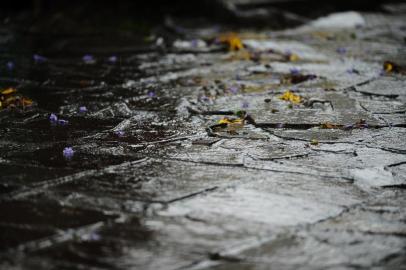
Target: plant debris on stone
291,97
391,67
9,98
232,40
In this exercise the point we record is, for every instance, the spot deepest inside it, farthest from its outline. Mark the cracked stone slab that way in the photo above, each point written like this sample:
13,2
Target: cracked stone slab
386,86
158,180
370,234
345,109
242,204
324,135
389,138
383,107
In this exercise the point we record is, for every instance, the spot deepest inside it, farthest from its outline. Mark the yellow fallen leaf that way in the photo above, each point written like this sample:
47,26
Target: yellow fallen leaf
388,66
9,99
293,57
314,142
232,124
8,91
26,102
329,125
225,120
233,41
289,96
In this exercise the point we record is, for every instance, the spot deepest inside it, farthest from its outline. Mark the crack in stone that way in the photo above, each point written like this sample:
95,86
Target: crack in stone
279,158
191,195
205,162
243,165
391,150
354,89
353,153
390,96
393,112
395,164
399,186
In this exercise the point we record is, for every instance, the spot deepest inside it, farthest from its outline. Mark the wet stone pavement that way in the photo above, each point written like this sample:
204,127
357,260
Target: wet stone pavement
155,181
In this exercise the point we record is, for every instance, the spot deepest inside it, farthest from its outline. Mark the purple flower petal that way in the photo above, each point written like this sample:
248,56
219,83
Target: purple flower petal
341,50
234,89
151,94
39,58
294,71
194,43
10,65
88,59
68,152
53,118
94,237
119,133
350,126
82,109
63,122
205,99
245,104
112,59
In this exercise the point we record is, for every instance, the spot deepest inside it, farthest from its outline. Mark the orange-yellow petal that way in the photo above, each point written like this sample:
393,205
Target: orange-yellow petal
289,96
388,66
225,120
8,91
232,40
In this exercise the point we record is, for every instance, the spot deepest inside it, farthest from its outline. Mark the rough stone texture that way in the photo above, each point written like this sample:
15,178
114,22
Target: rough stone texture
166,195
